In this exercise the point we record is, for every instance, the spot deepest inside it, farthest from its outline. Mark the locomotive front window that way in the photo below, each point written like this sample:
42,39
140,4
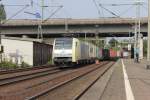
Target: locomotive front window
63,44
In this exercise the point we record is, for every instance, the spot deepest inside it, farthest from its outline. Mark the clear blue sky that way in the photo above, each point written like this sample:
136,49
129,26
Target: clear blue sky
73,8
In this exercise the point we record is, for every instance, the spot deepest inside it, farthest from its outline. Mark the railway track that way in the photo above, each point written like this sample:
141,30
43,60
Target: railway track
13,80
44,84
24,69
77,97
23,73
76,76
17,77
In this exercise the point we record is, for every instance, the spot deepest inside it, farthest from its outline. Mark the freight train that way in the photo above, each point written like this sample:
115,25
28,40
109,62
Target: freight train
72,51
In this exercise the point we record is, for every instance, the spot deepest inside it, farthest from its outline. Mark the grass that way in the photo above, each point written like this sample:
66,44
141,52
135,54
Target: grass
10,65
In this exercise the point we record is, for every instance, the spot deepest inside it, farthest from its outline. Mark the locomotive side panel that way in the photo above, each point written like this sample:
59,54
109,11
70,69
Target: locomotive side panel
76,50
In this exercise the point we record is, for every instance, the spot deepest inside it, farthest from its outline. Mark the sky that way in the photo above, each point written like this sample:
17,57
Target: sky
73,8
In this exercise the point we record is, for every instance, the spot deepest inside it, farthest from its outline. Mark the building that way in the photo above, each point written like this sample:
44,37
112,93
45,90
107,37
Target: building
29,51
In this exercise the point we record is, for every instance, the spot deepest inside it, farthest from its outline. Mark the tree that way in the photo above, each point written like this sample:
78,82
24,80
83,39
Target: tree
2,12
113,42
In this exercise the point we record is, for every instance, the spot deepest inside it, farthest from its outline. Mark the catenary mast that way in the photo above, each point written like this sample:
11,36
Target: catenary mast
148,39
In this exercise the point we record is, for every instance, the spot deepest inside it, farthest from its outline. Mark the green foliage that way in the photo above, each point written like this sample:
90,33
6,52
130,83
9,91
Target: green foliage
2,12
8,65
11,65
24,65
50,62
107,46
113,42
116,48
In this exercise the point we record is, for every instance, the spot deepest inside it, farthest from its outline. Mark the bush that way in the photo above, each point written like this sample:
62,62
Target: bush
8,65
50,62
23,65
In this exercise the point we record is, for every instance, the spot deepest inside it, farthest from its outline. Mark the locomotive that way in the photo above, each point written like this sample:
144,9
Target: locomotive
72,51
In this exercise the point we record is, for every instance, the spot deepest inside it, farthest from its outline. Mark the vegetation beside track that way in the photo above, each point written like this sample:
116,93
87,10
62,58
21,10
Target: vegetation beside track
9,65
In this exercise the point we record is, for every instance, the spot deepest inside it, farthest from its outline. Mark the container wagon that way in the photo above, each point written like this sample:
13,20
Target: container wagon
105,54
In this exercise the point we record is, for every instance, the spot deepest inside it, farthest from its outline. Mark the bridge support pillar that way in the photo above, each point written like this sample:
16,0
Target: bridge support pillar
138,47
141,47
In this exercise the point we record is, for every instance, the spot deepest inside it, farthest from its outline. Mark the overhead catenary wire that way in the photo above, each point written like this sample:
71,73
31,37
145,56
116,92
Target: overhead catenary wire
97,7
13,5
53,13
18,12
46,6
121,4
145,7
111,12
124,12
43,6
67,14
102,12
37,4
102,6
3,22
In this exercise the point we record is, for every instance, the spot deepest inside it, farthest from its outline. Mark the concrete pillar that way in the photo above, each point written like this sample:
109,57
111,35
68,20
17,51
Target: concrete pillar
148,40
138,47
141,47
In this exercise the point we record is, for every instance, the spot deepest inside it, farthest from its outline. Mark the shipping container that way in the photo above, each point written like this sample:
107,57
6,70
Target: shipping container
113,53
105,54
84,47
91,51
100,53
118,53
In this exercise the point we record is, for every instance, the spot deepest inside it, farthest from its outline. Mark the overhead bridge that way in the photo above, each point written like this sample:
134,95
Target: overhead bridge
103,27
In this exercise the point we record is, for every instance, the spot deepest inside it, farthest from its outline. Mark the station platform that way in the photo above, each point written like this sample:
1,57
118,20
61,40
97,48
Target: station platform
126,80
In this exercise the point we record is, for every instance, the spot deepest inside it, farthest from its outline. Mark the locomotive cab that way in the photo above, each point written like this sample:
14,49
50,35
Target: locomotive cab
62,53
